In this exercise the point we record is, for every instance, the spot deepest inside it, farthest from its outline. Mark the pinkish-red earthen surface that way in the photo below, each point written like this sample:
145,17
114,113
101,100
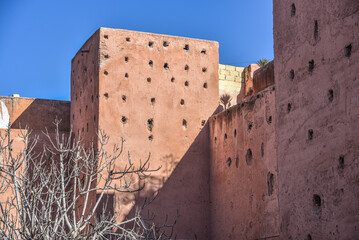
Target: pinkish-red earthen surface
317,116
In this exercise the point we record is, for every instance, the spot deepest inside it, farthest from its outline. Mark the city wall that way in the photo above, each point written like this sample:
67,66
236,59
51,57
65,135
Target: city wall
151,91
282,163
317,116
243,170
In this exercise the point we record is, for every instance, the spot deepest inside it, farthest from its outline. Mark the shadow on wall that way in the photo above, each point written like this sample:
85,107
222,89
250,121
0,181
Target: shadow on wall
186,191
40,114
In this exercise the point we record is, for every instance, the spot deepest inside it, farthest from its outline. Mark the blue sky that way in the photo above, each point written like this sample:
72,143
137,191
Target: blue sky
38,38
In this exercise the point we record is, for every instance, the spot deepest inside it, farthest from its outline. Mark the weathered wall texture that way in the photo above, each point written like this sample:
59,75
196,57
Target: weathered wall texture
230,81
84,90
317,117
243,180
151,92
263,77
36,114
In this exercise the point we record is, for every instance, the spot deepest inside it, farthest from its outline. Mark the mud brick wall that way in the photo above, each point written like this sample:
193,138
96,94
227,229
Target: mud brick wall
156,92
243,170
36,114
317,117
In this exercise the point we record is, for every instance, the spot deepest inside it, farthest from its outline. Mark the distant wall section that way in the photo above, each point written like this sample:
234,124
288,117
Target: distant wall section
230,81
36,114
243,170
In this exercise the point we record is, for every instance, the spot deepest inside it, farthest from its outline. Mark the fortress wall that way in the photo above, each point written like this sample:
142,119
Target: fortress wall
243,170
156,92
317,116
230,81
263,77
37,114
84,90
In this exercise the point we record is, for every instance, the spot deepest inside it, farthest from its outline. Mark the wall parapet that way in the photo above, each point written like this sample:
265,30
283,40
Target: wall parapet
263,77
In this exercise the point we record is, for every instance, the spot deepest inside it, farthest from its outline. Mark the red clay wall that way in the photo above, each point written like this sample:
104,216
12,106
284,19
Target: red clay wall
156,92
37,114
317,116
243,180
263,77
84,90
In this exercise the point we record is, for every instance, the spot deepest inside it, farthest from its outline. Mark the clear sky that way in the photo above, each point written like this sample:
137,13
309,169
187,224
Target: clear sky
38,38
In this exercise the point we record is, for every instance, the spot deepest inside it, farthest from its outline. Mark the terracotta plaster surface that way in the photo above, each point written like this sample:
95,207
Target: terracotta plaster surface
156,92
263,77
317,116
37,114
84,90
243,170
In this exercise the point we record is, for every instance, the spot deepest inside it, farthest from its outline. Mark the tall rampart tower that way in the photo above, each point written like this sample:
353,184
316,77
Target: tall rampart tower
154,91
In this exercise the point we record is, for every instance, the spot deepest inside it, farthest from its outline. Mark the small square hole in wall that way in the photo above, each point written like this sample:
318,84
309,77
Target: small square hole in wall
229,162
153,101
184,124
150,63
105,72
348,50
165,44
126,59
203,123
126,75
148,79
311,66
107,56
341,161
124,98
186,47
292,10
205,85
150,124
172,79
203,51
166,66
124,119
150,137
291,74
128,39
310,134
105,36
150,44
186,67
186,83
330,95
249,157
106,95
317,201
182,102
316,30
204,69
